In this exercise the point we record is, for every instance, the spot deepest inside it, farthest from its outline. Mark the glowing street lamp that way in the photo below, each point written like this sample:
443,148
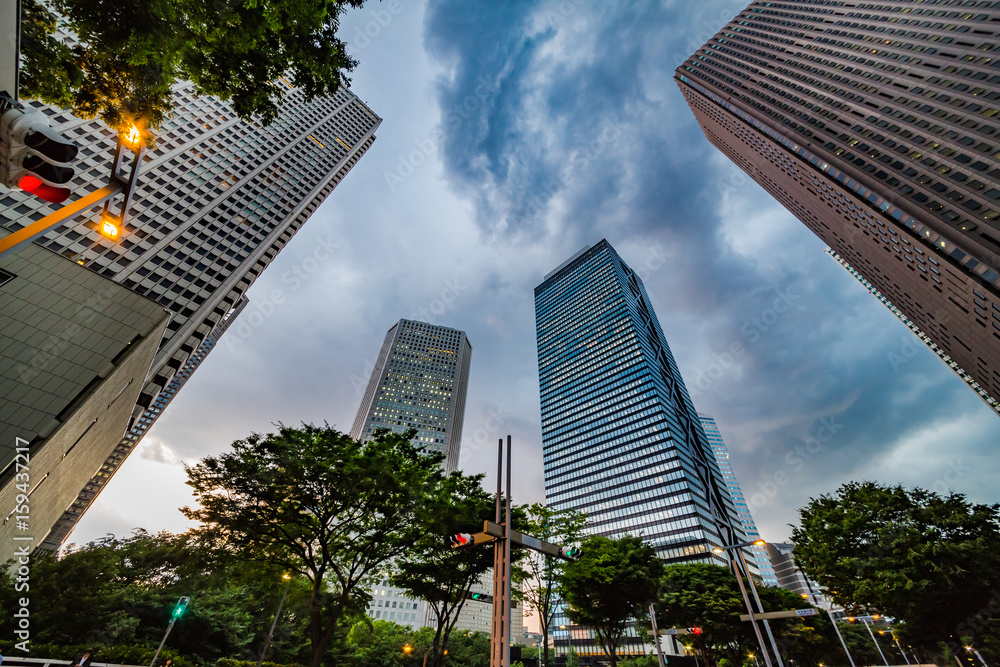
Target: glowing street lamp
109,229
972,650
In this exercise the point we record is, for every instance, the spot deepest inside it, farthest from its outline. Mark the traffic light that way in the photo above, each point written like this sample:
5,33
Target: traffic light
695,631
460,540
33,157
179,609
572,553
481,597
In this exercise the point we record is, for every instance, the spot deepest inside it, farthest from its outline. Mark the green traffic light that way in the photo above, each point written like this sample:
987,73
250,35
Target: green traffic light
181,607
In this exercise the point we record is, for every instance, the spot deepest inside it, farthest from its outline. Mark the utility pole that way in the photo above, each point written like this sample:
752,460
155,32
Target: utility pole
500,532
656,635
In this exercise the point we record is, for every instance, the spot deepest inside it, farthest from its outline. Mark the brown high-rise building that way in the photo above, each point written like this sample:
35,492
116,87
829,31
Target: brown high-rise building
876,124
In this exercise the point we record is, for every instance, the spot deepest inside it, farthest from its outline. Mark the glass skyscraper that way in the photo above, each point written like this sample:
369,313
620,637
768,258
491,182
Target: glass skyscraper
877,124
621,439
764,567
419,381
218,198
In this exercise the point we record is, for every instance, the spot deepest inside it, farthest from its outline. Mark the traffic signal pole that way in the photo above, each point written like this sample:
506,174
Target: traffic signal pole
123,180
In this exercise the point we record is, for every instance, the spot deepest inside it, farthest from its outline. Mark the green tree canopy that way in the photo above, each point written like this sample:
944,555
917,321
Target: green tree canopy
322,505
130,53
610,585
926,559
129,586
435,572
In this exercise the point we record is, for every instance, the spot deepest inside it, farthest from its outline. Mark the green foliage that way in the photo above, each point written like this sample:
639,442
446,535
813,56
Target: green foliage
322,505
925,559
706,596
433,571
131,52
129,588
542,572
610,585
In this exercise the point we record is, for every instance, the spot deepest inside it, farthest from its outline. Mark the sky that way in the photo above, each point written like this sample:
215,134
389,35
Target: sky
514,134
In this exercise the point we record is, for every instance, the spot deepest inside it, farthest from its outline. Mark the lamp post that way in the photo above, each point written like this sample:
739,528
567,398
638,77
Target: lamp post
864,619
569,639
900,647
972,650
836,628
739,578
267,642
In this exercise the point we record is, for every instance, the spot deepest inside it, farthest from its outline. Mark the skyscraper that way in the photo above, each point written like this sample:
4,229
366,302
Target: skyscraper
419,381
764,567
621,440
876,124
218,199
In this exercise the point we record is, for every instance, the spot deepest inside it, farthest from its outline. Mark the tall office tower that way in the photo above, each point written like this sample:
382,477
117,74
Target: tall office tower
791,578
876,124
739,500
217,199
420,381
621,440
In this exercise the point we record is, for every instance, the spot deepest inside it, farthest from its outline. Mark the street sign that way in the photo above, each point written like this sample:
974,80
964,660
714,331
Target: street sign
789,613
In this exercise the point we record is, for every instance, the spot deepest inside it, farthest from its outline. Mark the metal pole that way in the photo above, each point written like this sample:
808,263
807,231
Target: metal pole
753,621
656,635
978,656
509,523
274,623
829,610
569,638
767,627
496,638
170,626
900,646
865,621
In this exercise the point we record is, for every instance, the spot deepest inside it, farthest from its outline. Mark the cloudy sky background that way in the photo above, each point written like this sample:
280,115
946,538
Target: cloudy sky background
514,134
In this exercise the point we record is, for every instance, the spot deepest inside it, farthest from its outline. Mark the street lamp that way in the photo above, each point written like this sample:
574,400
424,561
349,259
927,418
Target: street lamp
739,550
569,639
836,628
972,650
267,642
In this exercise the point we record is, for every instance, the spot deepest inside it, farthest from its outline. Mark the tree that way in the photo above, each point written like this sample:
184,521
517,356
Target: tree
131,52
706,596
610,585
443,576
543,571
129,587
924,558
319,504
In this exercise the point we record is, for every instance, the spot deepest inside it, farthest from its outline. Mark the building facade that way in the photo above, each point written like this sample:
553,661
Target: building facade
876,124
760,558
419,381
791,578
621,439
217,200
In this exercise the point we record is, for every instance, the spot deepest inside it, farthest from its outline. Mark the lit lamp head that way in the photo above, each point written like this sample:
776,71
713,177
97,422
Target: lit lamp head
407,649
759,543
133,137
109,228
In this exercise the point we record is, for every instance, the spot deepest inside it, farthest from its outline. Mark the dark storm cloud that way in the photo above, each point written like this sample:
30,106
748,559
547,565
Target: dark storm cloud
562,121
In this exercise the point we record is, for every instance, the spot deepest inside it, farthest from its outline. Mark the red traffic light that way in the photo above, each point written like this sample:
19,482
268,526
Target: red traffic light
33,157
695,631
49,193
460,540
